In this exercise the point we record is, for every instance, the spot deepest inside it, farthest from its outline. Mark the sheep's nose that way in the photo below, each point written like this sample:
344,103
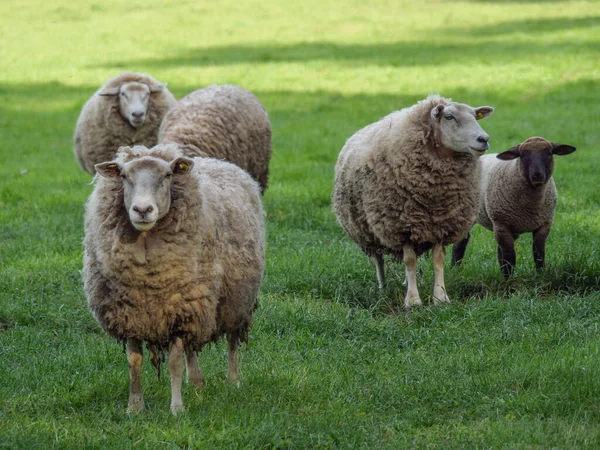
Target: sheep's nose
137,114
483,139
143,210
538,177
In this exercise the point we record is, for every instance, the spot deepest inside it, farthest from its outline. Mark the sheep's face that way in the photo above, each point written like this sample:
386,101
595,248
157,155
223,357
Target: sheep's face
146,186
536,158
457,128
134,99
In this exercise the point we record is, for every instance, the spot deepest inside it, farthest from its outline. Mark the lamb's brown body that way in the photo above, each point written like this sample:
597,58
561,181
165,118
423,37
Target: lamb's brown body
223,122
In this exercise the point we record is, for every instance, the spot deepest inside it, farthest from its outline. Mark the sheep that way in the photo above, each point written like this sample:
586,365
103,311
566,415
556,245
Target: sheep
223,122
409,183
518,195
174,252
126,110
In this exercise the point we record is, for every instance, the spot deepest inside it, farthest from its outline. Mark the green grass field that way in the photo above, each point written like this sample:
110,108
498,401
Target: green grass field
332,363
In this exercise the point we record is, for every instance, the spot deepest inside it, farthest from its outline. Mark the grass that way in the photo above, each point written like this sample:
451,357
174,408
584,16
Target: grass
332,363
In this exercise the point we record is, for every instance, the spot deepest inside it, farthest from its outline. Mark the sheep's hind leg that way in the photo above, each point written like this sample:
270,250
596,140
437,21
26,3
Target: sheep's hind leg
233,343
439,289
135,357
176,372
410,261
379,266
193,369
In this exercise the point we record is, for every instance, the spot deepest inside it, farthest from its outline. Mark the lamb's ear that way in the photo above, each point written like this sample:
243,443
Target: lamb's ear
483,111
108,169
109,91
157,88
436,112
182,166
562,149
511,153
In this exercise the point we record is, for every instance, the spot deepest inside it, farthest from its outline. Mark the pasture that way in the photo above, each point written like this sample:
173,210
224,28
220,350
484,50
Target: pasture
332,362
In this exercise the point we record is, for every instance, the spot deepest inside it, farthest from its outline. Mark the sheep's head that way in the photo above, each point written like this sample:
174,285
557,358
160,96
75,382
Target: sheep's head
457,128
146,186
134,98
536,158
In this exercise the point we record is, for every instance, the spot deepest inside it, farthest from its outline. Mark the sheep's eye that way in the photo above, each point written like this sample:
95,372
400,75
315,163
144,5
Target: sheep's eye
449,117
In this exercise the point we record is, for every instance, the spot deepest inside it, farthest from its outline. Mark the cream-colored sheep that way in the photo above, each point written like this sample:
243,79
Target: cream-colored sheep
174,257
223,122
409,183
518,196
126,110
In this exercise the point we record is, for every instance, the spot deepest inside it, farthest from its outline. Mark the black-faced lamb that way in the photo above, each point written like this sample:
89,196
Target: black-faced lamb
223,122
127,110
409,183
174,257
518,195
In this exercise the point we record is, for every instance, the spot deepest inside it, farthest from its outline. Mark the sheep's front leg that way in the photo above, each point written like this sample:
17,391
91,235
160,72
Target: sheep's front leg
506,250
539,245
193,369
410,261
176,372
379,266
135,357
233,343
439,289
459,249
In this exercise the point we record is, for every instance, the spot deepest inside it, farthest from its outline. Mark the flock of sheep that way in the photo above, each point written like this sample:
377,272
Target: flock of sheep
174,247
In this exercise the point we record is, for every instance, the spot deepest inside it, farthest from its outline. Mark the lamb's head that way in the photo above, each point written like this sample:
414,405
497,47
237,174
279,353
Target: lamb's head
147,184
134,99
536,160
456,127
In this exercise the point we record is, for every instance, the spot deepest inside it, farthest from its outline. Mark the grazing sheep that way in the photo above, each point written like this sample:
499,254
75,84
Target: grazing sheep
127,110
223,122
518,196
174,256
409,183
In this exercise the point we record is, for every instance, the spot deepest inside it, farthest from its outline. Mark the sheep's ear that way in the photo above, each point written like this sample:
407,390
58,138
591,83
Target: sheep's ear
436,112
108,169
157,88
182,166
511,153
109,91
562,149
483,111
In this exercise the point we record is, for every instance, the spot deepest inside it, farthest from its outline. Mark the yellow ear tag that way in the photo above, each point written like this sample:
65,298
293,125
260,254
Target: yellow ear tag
480,115
183,166
111,166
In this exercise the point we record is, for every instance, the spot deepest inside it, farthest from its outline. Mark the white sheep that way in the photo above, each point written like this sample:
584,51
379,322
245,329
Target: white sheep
126,110
409,183
174,257
518,195
223,122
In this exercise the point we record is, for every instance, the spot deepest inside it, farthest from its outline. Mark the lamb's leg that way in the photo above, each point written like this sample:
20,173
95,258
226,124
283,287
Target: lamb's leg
439,289
410,261
459,249
539,245
135,357
379,265
193,369
233,343
176,372
506,250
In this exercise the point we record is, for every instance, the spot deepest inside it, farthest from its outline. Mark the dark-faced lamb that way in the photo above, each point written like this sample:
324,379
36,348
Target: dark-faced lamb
518,195
409,183
173,257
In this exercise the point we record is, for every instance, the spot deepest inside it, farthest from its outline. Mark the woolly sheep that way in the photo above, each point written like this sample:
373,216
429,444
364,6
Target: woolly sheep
174,256
223,122
409,183
126,110
518,196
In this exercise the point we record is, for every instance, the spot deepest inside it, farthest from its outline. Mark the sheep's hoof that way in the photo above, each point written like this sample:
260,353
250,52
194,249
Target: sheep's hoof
135,406
439,296
235,381
198,383
412,300
176,409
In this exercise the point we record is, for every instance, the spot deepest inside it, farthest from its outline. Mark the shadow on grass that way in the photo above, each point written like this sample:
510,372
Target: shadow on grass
528,26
